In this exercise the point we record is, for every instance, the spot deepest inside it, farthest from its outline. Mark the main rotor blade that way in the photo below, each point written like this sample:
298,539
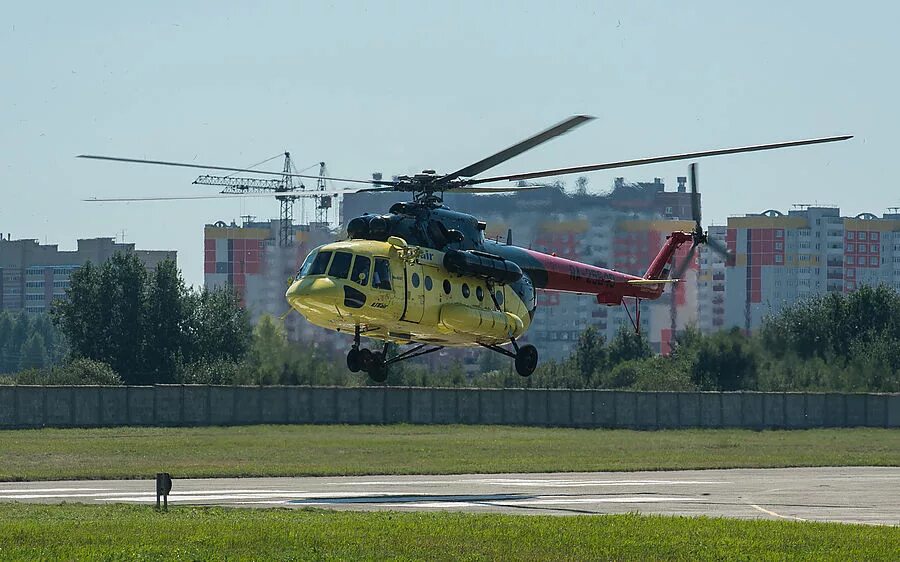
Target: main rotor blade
227,169
307,195
516,149
498,189
695,194
655,160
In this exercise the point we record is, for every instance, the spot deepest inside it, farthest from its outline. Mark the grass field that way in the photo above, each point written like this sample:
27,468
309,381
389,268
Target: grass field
33,532
405,449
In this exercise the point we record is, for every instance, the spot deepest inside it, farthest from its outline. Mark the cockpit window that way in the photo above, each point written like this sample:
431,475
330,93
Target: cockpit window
340,265
320,264
381,278
360,273
307,263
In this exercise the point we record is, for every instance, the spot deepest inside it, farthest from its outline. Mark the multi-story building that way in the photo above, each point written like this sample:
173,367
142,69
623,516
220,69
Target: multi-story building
622,230
780,259
32,275
248,259
711,284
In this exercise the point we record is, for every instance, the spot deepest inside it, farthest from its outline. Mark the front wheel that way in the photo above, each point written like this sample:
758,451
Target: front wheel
354,360
526,360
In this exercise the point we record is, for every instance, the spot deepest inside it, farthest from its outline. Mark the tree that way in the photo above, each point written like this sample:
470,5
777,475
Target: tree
165,322
591,354
33,354
628,345
725,361
149,328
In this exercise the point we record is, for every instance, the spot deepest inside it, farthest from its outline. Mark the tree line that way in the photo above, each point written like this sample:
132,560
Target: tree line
123,324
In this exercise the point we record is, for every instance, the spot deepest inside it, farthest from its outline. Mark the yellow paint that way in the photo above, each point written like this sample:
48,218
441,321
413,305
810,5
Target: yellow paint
405,313
659,225
215,232
768,222
579,225
876,225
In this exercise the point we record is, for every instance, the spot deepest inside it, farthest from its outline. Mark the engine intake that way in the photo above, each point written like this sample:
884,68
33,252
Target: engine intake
482,264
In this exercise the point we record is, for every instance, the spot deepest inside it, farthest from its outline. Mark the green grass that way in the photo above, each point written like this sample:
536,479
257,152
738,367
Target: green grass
405,449
41,532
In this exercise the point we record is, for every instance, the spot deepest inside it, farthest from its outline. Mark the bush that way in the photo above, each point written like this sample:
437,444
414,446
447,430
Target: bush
75,372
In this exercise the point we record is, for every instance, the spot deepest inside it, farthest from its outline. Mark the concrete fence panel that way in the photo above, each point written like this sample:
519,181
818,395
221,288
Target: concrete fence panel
582,408
247,409
625,404
710,409
645,404
733,410
604,408
536,407
559,408
893,410
855,405
490,406
169,405
689,409
114,405
86,406
667,414
8,410
396,405
468,404
221,405
514,407
141,405
796,415
773,408
196,401
373,402
349,406
815,410
421,405
59,406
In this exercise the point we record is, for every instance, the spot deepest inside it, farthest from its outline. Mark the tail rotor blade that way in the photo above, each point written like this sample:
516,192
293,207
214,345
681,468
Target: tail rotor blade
695,194
718,247
685,263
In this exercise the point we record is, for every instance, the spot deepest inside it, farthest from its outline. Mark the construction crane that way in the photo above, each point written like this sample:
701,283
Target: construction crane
285,185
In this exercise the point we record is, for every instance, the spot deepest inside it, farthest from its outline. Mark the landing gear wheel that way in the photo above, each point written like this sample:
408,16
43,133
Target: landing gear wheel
354,360
365,360
378,372
526,360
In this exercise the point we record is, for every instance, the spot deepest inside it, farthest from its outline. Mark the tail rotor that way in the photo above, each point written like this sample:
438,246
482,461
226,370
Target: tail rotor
698,235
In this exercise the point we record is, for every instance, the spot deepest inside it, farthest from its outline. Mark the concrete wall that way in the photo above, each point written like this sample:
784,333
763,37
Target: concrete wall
190,405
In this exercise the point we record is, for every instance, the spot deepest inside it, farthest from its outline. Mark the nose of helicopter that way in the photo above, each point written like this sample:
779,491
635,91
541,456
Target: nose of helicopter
316,292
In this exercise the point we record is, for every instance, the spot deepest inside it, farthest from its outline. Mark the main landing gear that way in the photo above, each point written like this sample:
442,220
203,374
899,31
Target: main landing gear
525,357
375,363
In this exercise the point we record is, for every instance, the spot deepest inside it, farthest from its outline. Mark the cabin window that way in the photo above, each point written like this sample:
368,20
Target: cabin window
416,280
320,264
465,290
307,264
360,273
428,283
479,293
340,265
381,278
446,287
499,298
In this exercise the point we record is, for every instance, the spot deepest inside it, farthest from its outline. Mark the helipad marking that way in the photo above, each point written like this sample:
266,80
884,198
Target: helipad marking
531,482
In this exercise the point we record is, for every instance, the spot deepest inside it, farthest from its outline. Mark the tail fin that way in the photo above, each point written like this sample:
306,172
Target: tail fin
659,266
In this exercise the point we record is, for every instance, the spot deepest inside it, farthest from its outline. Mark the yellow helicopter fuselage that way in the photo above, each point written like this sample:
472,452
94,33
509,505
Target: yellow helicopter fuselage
403,294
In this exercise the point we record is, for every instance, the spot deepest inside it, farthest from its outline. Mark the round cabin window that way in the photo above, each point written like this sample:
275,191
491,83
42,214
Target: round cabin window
415,280
465,290
428,283
499,297
446,286
479,293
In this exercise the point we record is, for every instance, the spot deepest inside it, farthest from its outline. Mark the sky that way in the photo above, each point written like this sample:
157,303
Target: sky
398,87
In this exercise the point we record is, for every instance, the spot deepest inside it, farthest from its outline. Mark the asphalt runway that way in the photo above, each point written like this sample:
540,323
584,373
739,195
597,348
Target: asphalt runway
844,494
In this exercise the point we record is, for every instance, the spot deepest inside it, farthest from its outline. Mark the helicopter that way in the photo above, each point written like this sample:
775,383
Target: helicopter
426,276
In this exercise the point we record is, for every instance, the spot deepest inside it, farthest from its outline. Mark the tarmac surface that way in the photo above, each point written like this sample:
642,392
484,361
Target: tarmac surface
843,494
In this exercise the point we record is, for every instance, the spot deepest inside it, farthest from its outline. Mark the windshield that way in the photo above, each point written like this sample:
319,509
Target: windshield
307,263
320,264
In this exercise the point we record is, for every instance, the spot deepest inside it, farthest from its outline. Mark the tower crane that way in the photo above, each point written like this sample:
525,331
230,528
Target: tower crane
285,185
